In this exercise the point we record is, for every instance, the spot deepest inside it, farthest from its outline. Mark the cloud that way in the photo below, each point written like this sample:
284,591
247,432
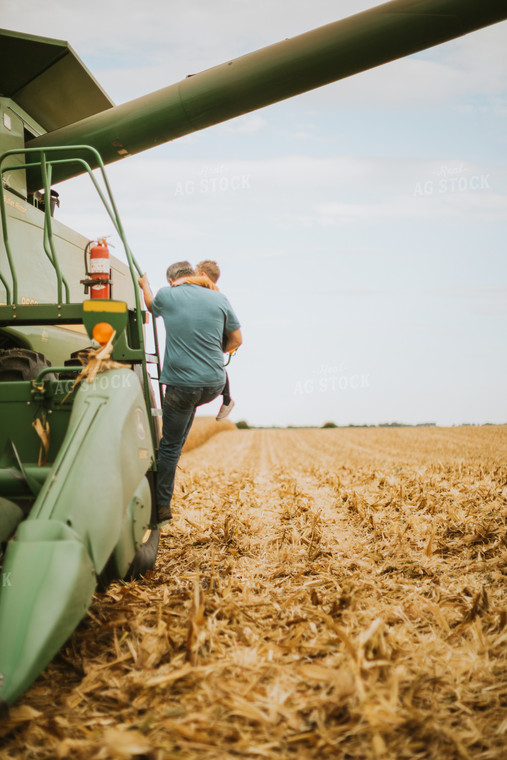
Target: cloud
203,32
185,199
249,124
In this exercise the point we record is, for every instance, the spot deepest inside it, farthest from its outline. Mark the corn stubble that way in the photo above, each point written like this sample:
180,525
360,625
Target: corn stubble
320,593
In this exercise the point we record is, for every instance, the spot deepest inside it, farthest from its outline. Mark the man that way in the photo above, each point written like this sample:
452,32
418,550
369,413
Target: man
196,320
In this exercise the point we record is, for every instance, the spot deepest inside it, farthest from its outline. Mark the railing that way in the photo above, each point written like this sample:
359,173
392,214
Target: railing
44,161
45,164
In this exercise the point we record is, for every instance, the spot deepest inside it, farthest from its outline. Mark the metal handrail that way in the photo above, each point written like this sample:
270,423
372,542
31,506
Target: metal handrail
46,163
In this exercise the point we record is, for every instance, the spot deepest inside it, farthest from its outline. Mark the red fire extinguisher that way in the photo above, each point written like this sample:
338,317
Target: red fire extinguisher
99,271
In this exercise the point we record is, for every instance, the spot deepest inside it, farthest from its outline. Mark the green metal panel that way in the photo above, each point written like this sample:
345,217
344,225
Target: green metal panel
33,69
44,313
50,584
32,126
108,434
20,406
55,343
36,275
12,136
296,65
105,310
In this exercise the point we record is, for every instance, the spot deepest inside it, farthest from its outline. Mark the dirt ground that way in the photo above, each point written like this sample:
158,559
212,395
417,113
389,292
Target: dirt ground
334,593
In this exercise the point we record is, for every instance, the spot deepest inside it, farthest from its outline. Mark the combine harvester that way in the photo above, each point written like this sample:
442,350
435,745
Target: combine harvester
78,458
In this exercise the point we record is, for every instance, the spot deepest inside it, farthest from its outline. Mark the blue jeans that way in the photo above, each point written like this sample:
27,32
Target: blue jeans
180,404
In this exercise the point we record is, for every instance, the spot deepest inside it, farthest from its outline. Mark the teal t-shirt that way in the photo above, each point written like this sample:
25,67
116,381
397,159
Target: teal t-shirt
196,320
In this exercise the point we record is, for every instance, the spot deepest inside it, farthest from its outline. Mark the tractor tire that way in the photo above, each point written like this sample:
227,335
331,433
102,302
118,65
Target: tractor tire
145,556
144,559
22,364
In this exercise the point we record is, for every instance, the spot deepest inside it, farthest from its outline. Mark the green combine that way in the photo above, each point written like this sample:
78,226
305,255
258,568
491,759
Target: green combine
79,423
78,434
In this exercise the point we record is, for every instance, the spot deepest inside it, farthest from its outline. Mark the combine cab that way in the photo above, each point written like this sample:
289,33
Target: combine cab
78,437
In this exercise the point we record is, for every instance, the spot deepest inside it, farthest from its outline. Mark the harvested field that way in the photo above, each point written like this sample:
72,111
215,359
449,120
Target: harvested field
331,593
204,428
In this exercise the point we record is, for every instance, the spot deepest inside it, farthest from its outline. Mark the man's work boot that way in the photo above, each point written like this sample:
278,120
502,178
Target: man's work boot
163,515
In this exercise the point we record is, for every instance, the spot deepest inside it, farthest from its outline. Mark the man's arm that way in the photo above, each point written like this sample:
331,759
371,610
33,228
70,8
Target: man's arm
146,291
233,340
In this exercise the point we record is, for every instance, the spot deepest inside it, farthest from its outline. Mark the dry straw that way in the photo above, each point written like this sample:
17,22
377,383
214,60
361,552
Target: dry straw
319,594
203,428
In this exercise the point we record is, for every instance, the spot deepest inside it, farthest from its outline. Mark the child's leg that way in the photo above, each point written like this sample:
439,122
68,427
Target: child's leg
228,403
226,393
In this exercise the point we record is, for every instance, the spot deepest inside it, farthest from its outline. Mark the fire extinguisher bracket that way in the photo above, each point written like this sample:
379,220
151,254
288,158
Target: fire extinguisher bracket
89,282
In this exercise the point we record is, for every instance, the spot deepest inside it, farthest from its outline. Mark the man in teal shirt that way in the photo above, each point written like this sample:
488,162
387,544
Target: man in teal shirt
200,327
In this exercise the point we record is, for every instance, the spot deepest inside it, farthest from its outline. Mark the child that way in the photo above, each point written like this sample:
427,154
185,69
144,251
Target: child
211,271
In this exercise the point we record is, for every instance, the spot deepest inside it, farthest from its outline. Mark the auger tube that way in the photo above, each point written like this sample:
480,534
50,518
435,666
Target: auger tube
324,55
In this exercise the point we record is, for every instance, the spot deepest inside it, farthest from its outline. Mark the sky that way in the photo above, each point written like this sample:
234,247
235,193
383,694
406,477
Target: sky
360,228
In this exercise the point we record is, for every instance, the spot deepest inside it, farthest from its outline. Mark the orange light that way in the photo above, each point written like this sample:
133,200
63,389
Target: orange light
102,332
